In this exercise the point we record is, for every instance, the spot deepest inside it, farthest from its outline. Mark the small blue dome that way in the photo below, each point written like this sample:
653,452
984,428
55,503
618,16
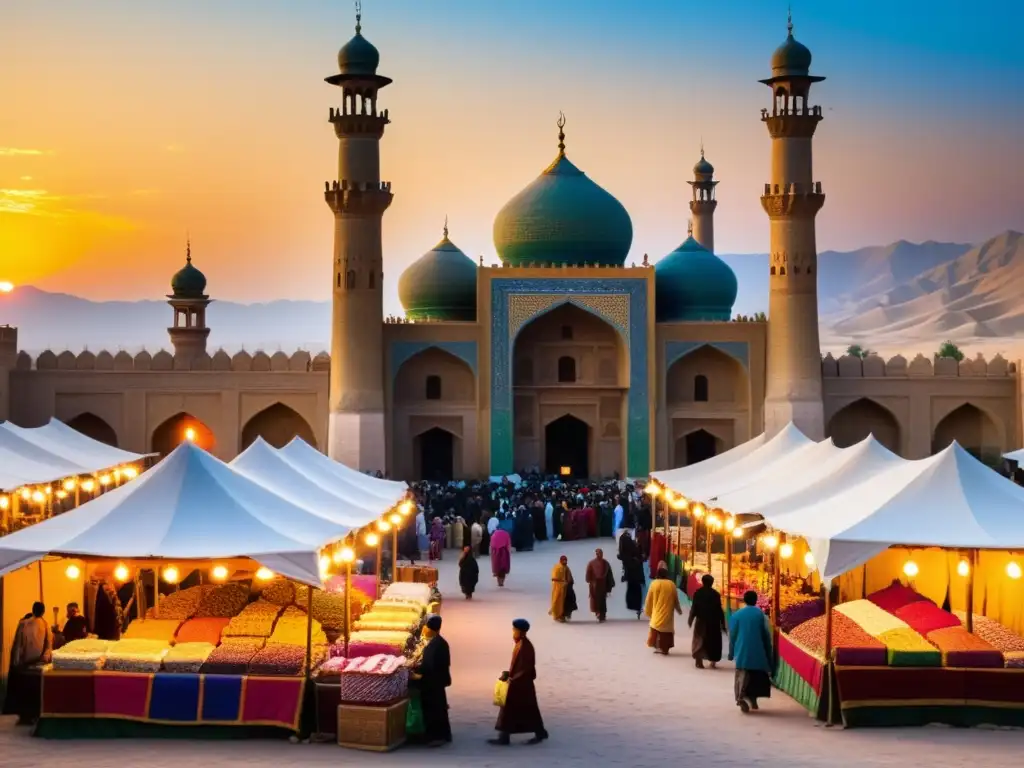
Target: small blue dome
358,56
693,284
792,58
188,282
440,284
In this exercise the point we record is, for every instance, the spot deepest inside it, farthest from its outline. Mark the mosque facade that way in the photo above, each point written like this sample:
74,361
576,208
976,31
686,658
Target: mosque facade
560,356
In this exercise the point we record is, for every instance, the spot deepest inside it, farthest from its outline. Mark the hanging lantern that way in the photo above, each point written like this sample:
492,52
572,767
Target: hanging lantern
1013,570
786,551
121,573
405,507
264,574
347,554
4,502
69,484
910,569
72,571
372,539
219,573
770,542
383,526
652,489
130,473
170,574
963,568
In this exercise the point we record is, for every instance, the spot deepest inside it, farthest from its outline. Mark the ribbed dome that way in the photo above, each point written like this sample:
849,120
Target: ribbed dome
358,56
563,217
440,284
693,284
188,282
792,58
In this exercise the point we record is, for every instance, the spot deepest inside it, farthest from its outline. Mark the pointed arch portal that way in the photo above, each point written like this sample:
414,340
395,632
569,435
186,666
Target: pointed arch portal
278,425
435,450
179,428
91,425
567,445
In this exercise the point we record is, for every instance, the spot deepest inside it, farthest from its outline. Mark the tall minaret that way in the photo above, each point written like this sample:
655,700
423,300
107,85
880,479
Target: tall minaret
792,199
189,301
358,199
703,205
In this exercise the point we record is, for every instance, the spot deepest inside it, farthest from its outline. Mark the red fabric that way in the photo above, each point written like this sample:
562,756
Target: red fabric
811,670
1005,685
273,701
590,514
122,694
894,684
925,616
693,582
895,596
69,693
657,552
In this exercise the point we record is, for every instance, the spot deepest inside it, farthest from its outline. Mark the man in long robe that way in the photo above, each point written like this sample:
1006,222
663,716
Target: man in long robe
432,675
31,648
561,585
662,606
750,646
632,573
549,520
600,581
521,713
708,621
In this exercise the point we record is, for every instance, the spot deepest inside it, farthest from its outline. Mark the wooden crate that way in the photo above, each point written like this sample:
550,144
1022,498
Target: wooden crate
421,574
377,729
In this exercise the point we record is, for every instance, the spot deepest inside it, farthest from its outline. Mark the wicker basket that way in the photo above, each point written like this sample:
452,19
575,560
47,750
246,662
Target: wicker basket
376,729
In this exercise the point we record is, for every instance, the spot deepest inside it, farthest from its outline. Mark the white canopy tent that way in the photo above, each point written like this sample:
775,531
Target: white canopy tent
68,443
676,478
25,463
1017,456
263,464
191,506
947,500
304,456
808,475
702,486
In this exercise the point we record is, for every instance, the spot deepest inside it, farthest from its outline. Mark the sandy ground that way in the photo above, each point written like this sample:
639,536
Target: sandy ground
606,699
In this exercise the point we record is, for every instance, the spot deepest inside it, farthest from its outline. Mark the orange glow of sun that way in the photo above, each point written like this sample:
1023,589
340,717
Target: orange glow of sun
6,287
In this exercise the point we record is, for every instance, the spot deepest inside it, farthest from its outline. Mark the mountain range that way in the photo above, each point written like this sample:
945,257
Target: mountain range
891,298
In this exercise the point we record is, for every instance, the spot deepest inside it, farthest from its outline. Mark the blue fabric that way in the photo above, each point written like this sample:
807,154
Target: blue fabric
619,514
750,643
549,521
507,525
174,697
222,697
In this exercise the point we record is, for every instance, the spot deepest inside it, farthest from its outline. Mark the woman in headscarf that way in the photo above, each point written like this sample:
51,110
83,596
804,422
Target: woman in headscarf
632,573
469,573
523,535
501,555
476,537
708,621
437,535
561,589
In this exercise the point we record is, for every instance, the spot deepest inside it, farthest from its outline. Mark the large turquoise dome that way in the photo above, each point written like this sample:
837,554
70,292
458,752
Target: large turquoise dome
188,282
563,218
693,284
440,284
358,56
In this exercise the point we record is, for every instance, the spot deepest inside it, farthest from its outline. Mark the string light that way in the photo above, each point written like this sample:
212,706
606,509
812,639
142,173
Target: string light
26,494
117,474
325,565
770,542
219,572
405,507
737,533
37,497
72,571
130,472
69,485
62,495
809,560
264,574
190,434
88,485
652,489
395,519
383,526
698,511
669,497
963,568
730,523
786,551
4,502
1013,570
104,480
372,539
170,574
336,557
48,491
347,554
910,569
121,573
680,503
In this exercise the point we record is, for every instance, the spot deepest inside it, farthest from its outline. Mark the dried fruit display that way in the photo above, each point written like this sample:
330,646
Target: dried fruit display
895,596
163,630
376,622
280,592
256,620
999,636
224,601
421,593
206,630
187,657
870,617
851,645
179,605
925,616
373,680
230,659
397,640
906,648
960,648
136,655
284,660
81,654
329,609
291,629
798,613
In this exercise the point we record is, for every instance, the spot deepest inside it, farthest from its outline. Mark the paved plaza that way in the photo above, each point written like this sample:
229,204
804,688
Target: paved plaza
607,700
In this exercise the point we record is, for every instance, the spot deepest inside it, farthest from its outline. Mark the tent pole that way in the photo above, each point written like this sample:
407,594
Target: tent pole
972,561
728,574
41,582
777,582
380,555
309,634
394,553
348,604
828,620
156,593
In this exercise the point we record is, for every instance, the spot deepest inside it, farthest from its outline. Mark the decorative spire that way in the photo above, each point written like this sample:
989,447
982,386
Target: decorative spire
789,19
446,226
689,228
359,17
481,259
701,147
188,249
561,134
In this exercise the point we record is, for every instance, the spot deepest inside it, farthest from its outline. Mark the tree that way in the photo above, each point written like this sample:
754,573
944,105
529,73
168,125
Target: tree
856,350
949,349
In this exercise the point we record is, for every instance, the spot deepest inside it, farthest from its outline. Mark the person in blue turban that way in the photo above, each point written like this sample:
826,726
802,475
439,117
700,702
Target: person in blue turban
521,713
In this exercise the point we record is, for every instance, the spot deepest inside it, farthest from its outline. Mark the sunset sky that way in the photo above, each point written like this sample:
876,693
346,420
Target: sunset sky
125,124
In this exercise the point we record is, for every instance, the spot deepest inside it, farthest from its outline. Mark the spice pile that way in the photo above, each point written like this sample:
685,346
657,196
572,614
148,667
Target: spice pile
851,645
256,620
223,602
283,660
999,636
897,595
907,648
187,657
925,616
960,648
280,592
291,629
231,658
798,613
201,631
163,630
179,605
81,654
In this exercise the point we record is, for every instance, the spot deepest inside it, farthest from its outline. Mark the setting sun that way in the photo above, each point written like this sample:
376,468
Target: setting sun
6,287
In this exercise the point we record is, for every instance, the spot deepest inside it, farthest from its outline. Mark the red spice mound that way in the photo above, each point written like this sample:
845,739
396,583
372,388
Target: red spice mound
895,596
851,644
925,616
206,630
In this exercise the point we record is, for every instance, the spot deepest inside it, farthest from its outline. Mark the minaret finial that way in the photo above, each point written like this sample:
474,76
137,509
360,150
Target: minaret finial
188,248
359,17
701,147
789,19
689,228
446,226
561,133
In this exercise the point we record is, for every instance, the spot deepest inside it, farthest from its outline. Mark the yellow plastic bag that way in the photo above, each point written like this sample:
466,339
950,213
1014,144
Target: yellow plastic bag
500,692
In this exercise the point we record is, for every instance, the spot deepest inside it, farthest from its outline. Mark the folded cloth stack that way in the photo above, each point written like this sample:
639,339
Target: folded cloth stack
224,601
179,605
412,610
373,680
187,657
153,629
959,648
256,620
284,660
291,629
231,658
207,630
384,622
135,655
398,641
851,645
81,654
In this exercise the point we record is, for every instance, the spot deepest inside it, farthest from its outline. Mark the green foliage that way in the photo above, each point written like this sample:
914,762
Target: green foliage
949,349
757,317
856,350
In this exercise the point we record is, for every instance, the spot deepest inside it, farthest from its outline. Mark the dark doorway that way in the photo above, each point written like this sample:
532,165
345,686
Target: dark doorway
437,455
91,425
566,444
700,445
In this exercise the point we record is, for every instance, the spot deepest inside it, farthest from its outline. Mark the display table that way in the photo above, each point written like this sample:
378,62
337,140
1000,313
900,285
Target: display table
373,728
802,676
172,699
418,574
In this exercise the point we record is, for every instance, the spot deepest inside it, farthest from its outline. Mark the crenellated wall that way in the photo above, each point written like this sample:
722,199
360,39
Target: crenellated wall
240,362
873,366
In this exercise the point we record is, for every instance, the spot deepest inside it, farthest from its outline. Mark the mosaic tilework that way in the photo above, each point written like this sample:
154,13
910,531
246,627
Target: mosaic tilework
622,302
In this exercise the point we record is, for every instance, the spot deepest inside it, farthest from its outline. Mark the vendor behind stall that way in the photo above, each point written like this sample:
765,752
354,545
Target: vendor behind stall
31,648
432,675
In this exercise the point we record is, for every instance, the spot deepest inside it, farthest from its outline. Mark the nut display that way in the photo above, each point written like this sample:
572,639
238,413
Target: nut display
81,654
230,658
223,601
136,655
798,613
291,629
285,660
999,636
187,657
179,605
851,645
280,592
256,620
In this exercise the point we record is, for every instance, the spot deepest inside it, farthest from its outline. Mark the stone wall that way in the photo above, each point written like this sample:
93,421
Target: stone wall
260,362
873,366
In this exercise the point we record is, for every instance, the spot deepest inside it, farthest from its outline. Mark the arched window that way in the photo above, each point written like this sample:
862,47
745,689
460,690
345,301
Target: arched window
567,332
700,388
566,369
433,387
350,279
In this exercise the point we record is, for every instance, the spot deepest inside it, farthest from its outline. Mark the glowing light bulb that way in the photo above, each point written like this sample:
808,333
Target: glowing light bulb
669,496
72,571
26,494
69,485
6,286
219,572
963,568
698,511
38,497
737,533
88,485
348,554
61,495
396,519
170,574
336,557
770,542
910,569
680,503
405,507
652,489
190,434
383,526
809,560
372,539
264,574
48,491
121,573
4,502
104,480
130,472
786,551
730,523
1013,570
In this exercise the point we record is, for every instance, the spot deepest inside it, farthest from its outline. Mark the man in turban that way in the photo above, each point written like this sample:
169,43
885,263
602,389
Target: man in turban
521,713
432,675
